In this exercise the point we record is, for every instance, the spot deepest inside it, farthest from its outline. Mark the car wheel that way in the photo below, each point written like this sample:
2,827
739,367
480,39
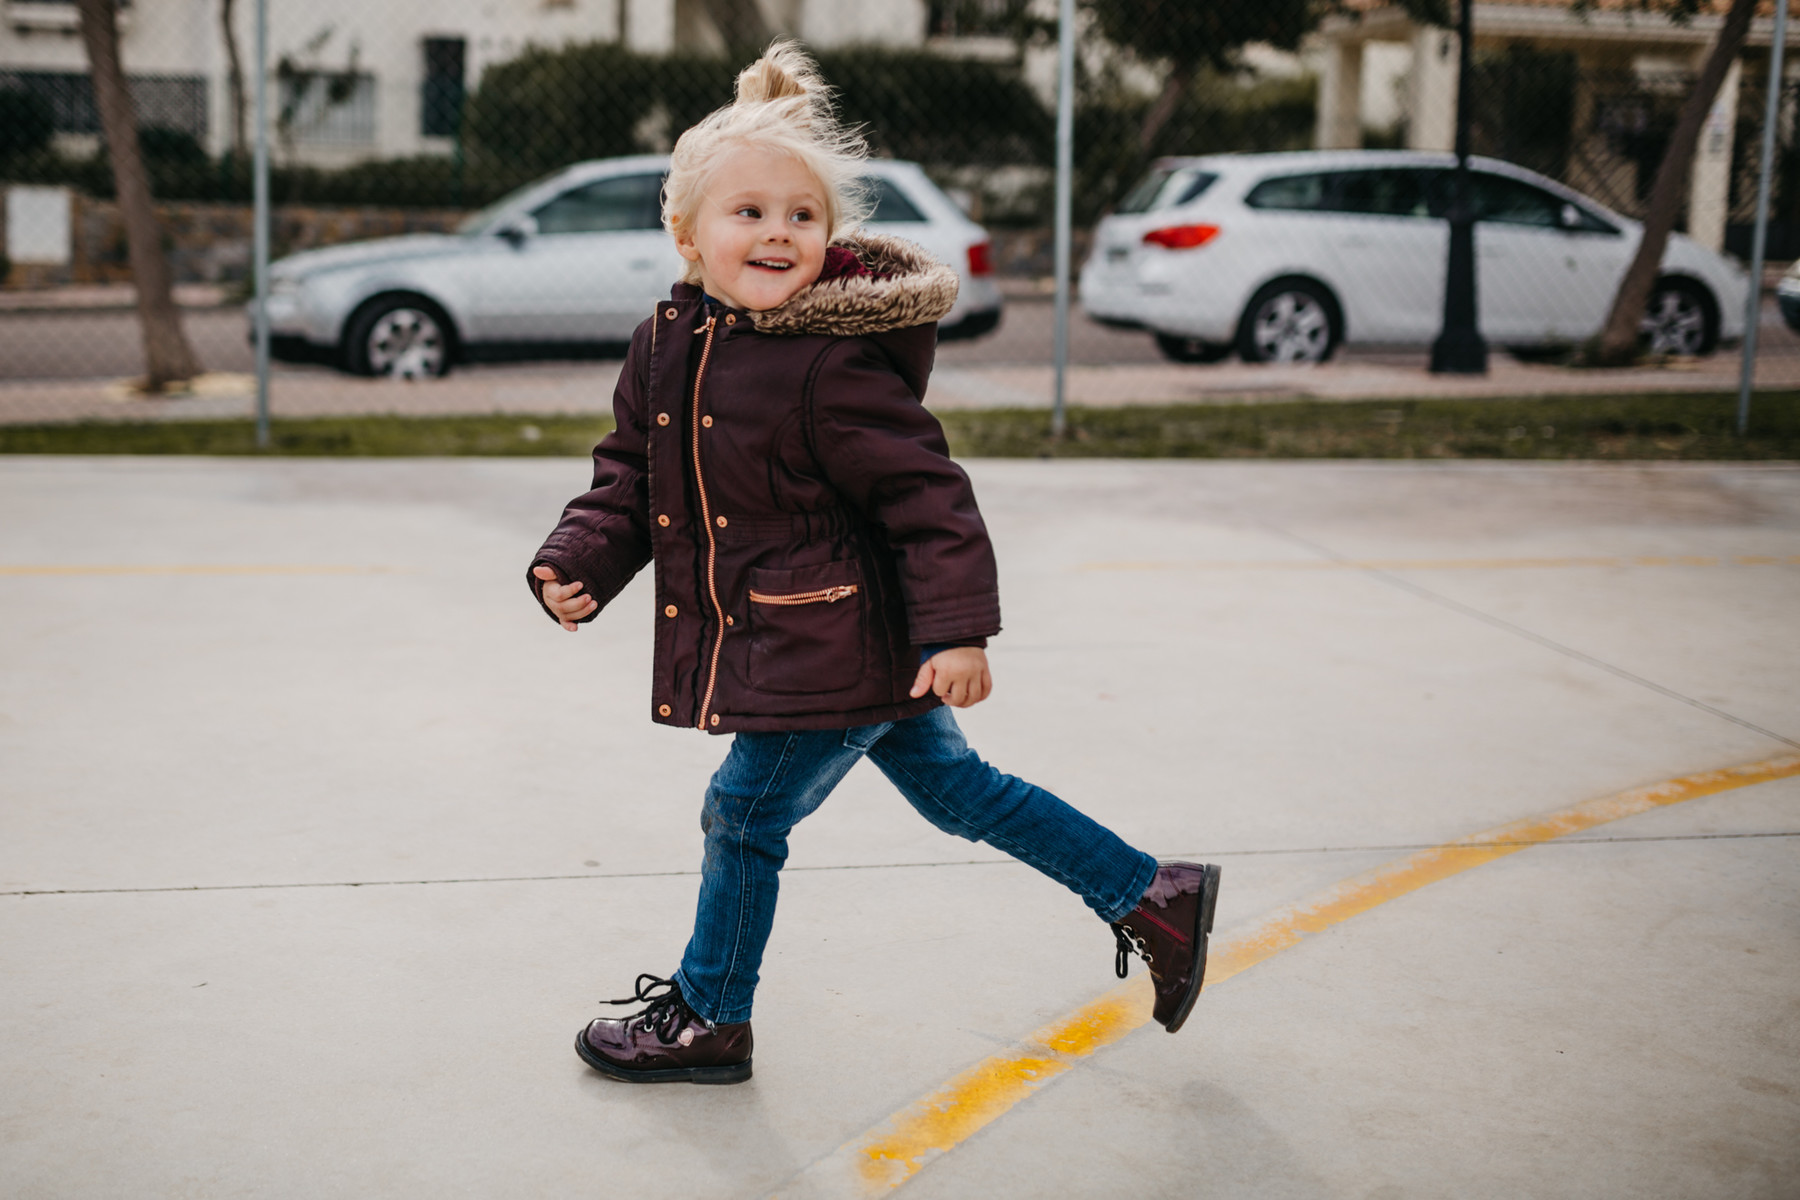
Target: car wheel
1681,319
976,324
402,337
1290,320
1190,350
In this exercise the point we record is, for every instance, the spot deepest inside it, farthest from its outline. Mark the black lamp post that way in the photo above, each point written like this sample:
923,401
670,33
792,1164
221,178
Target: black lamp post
1460,349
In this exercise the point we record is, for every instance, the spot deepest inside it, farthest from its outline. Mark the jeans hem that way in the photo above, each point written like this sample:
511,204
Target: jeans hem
1145,875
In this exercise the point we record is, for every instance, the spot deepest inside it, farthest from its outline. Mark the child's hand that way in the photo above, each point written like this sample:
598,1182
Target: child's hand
562,601
958,675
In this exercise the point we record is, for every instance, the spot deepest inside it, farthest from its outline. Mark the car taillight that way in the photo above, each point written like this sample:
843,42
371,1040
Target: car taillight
980,259
1181,237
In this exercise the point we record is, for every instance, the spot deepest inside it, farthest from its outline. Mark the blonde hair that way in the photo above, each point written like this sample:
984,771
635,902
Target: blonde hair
783,105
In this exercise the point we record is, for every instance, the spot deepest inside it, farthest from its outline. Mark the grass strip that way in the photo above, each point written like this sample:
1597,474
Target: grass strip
317,437
1645,426
1642,426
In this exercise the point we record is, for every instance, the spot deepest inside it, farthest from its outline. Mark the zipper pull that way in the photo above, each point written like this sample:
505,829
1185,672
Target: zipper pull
833,595
708,327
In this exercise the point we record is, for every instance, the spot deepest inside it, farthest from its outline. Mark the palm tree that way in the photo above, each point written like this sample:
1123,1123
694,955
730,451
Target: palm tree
167,356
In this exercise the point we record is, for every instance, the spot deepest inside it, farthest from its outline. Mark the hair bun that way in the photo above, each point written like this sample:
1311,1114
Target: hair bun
784,70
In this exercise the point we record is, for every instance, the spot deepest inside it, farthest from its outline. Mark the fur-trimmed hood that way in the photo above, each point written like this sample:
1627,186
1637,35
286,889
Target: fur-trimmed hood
897,286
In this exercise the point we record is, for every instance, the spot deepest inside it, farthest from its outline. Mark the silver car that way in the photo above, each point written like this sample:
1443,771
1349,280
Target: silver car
574,260
1285,256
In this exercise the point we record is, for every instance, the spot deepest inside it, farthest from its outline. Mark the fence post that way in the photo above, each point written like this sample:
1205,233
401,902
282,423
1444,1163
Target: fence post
260,223
1065,169
1759,242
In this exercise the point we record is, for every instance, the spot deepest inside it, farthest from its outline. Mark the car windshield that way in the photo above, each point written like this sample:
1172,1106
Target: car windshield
479,221
1165,187
1139,198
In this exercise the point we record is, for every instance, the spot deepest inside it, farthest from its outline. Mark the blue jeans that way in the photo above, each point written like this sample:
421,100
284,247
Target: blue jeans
769,781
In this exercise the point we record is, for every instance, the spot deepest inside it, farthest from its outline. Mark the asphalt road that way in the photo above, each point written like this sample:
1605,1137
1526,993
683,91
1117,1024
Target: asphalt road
104,344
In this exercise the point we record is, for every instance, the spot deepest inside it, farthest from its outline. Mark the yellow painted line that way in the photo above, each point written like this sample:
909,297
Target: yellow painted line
1457,564
196,569
886,1156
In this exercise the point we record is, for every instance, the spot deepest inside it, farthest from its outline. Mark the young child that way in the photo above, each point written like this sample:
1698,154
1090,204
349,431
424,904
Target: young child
824,582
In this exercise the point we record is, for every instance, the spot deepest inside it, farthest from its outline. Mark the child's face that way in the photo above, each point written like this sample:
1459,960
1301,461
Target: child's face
759,236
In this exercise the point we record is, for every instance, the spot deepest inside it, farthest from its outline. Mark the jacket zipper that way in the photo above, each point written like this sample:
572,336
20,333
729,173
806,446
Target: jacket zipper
830,595
712,545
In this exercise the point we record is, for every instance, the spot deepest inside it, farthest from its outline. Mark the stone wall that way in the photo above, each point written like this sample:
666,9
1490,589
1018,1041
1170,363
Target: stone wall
210,243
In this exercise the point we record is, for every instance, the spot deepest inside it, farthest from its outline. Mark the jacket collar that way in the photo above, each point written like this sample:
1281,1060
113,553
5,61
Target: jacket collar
871,283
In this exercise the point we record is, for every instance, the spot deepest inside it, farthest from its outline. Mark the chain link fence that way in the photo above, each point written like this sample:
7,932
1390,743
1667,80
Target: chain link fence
464,196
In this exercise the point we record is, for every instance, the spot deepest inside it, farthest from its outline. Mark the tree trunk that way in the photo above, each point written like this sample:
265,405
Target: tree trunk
234,78
167,355
1618,341
740,23
1174,88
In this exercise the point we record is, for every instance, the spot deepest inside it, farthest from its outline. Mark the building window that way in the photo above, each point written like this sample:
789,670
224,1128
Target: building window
441,95
326,108
976,18
162,101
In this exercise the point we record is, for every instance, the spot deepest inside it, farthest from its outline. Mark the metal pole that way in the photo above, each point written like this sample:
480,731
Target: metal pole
260,221
1460,348
1065,170
1759,243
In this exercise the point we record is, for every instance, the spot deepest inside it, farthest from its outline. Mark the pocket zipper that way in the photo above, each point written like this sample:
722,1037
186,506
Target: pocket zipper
830,595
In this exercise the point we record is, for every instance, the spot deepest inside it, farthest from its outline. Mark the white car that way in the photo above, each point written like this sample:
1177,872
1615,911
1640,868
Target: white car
1282,257
576,259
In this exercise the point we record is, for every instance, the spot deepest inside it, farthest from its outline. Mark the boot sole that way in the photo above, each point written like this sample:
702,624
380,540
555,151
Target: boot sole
1203,923
731,1073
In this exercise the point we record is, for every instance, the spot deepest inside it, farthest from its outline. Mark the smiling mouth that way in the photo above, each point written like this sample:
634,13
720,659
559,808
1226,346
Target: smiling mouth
771,264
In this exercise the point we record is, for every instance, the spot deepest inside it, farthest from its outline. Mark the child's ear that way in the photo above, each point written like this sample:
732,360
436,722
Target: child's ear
687,248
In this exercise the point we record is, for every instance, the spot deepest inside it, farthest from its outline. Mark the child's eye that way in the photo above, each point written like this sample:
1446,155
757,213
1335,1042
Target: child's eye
754,213
802,215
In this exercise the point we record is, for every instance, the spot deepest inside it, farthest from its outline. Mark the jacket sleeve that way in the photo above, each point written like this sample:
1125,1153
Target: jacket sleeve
886,454
603,538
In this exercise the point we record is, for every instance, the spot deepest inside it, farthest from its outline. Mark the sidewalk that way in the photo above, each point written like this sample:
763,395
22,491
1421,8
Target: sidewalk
587,388
321,843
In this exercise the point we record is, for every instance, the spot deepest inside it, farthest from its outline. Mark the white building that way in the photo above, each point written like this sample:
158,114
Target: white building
375,78
1372,45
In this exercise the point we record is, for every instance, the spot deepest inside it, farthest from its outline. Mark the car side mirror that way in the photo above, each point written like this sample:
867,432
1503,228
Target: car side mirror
1569,218
518,229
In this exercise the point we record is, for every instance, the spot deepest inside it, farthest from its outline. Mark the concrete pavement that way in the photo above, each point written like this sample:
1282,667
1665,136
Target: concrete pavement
63,367
332,844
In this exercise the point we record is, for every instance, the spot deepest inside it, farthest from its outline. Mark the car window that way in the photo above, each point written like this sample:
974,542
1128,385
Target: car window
891,203
1192,187
1304,193
1389,192
1140,198
1167,187
1504,201
604,206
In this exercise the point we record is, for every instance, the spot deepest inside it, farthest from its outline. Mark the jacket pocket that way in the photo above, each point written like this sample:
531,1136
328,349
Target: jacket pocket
808,629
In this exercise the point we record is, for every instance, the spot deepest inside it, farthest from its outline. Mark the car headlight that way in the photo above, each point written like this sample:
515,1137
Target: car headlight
285,286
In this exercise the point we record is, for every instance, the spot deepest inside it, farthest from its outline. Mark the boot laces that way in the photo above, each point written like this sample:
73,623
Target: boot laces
1128,943
667,1011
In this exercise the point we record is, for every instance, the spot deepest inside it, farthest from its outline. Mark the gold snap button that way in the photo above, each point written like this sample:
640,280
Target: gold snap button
715,718
663,520
730,620
731,318
721,521
662,418
663,710
669,611
706,421
667,312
